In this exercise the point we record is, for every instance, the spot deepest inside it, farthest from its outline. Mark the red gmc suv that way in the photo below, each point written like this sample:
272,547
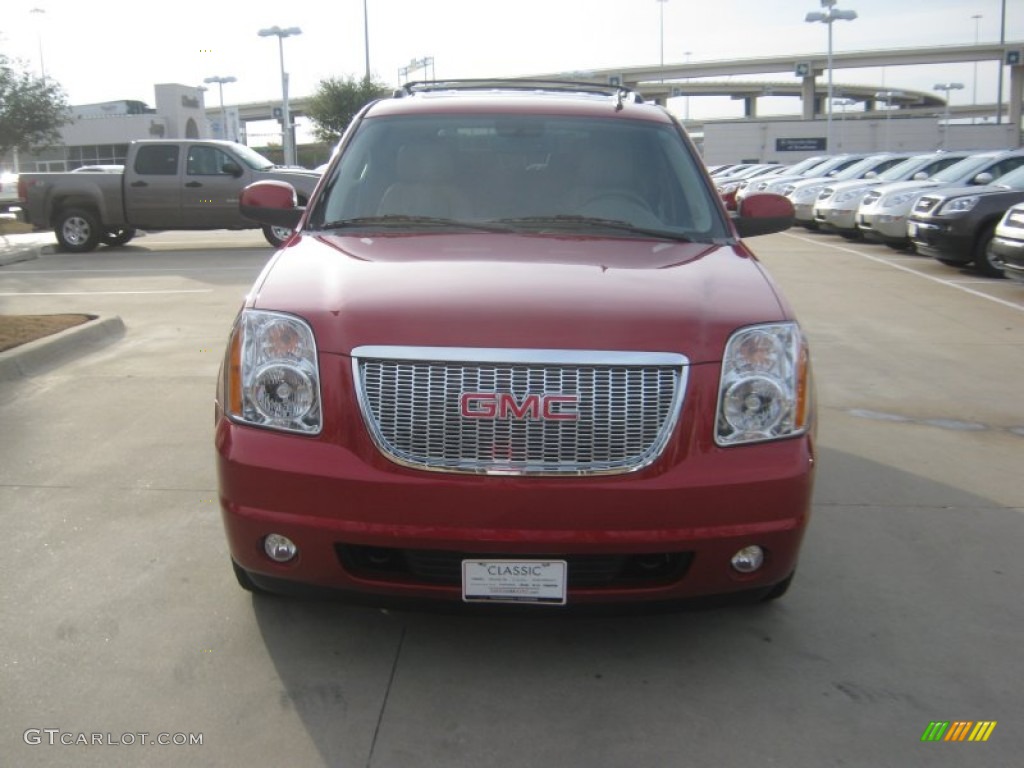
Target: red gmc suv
515,352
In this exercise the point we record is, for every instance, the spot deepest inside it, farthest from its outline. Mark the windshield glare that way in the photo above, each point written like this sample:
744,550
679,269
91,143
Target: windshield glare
902,170
969,166
1014,179
519,171
252,158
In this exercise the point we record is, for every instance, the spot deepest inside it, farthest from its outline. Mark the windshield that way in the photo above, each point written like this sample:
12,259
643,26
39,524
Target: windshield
1014,179
252,158
907,168
519,173
858,169
966,168
805,165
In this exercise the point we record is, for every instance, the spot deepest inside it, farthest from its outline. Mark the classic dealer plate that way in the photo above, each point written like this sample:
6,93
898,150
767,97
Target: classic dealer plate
514,581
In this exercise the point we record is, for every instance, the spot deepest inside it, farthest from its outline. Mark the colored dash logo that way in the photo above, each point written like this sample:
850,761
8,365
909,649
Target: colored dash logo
958,730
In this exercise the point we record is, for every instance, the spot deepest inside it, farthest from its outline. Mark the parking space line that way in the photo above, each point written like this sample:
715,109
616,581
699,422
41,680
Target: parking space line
114,270
941,281
103,293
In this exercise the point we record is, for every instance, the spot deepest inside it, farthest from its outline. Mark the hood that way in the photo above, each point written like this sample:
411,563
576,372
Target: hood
905,186
519,291
947,193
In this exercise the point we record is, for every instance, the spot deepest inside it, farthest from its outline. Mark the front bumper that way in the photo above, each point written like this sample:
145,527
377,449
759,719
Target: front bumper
1011,251
949,241
890,228
362,523
836,219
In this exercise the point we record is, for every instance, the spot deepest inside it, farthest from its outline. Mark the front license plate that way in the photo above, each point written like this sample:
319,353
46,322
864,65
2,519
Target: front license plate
514,581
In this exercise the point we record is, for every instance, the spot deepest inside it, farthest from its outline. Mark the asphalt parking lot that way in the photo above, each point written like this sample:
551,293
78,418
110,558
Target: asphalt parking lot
122,617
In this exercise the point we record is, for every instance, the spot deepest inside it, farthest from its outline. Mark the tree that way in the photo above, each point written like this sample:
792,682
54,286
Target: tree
337,101
32,109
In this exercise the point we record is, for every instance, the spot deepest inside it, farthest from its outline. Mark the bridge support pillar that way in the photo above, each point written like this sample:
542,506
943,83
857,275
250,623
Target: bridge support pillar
808,99
1016,100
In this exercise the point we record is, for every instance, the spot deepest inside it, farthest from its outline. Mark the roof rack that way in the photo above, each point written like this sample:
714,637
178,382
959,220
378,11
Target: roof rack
620,92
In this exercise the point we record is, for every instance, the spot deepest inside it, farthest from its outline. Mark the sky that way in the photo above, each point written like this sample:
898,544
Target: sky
106,50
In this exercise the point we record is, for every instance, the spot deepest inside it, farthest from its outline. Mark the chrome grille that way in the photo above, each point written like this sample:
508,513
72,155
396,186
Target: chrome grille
624,407
925,204
870,198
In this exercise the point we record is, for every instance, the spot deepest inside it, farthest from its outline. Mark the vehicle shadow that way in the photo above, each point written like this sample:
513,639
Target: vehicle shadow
906,609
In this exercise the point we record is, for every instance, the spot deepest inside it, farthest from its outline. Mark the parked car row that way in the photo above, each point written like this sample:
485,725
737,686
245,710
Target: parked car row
955,207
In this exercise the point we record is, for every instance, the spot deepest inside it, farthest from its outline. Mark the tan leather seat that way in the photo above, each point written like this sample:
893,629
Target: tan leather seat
426,184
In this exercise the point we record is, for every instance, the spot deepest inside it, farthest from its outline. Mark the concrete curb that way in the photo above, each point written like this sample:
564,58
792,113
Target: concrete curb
12,255
43,354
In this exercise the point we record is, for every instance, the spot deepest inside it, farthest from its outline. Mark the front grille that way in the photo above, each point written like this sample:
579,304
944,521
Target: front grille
870,198
826,193
506,411
443,567
925,204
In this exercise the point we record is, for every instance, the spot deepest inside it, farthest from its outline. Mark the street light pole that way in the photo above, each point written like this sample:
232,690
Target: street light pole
366,40
887,97
286,118
827,17
974,85
661,8
223,117
947,87
39,41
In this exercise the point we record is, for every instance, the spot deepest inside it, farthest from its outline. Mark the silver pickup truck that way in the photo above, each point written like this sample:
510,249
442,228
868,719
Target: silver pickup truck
182,184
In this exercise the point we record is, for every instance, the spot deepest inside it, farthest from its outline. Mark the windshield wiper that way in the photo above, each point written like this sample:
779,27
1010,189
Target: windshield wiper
574,221
401,220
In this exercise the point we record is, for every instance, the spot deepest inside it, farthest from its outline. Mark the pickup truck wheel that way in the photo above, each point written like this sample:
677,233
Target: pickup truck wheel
117,236
276,235
78,230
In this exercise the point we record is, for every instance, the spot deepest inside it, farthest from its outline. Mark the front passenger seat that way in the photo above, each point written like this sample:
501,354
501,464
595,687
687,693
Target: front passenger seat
425,185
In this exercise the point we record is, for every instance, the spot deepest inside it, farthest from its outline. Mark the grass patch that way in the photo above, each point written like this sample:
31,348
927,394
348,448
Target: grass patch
21,329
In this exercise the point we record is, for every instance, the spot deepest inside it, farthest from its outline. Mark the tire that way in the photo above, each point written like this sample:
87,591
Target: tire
779,589
78,230
113,237
986,262
276,236
898,246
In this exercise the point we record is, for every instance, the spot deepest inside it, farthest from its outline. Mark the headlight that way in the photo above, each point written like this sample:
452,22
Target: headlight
765,389
847,195
807,194
900,199
271,376
959,205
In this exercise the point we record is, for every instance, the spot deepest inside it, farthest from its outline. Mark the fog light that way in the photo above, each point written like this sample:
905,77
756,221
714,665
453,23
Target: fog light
279,548
748,559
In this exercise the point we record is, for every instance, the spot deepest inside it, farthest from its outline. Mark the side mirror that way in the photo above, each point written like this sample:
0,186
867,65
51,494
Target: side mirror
983,178
271,202
870,174
232,169
920,176
763,214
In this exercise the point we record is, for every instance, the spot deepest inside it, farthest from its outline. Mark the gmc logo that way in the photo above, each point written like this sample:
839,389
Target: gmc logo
504,405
